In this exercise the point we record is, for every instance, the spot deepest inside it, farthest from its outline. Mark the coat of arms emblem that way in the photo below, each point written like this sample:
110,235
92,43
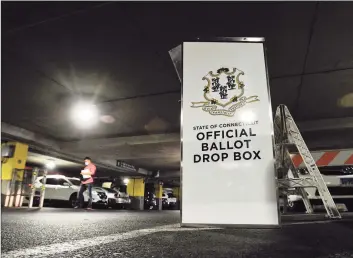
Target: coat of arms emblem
224,92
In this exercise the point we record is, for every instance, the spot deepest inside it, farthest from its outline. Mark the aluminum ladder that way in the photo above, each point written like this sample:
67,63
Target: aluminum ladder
287,135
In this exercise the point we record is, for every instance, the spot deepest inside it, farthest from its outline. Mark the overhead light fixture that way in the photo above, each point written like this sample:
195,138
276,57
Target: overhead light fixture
126,181
85,114
50,164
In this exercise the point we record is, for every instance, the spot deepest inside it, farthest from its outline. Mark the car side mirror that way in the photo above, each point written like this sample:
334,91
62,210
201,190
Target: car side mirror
66,184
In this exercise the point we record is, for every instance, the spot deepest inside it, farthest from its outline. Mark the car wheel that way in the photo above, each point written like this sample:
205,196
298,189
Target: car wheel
73,200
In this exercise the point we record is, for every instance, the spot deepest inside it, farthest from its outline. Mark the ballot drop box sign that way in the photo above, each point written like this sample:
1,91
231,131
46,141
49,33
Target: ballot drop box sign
228,174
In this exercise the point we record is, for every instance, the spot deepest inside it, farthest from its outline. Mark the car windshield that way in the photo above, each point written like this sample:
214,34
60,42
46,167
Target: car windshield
74,181
122,188
109,190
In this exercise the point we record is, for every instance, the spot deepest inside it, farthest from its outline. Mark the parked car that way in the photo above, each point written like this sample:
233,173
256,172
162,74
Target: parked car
65,189
169,201
116,198
340,186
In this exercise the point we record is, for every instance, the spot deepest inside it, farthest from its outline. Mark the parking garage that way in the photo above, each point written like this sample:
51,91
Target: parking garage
98,80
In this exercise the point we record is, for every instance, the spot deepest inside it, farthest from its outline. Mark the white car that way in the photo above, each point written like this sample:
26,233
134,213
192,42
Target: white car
62,188
115,197
339,186
168,200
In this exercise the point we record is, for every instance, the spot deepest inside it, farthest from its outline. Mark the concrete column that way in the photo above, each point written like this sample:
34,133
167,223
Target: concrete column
42,190
12,170
158,191
33,189
176,193
136,190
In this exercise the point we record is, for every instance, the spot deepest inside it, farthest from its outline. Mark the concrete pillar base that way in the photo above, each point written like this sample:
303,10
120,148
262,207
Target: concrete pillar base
159,204
3,199
11,193
178,205
137,203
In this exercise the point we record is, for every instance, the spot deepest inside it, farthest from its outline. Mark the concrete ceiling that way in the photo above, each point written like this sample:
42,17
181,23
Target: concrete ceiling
70,168
40,159
116,54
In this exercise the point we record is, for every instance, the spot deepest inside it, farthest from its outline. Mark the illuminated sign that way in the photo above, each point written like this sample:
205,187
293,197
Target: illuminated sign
122,164
227,144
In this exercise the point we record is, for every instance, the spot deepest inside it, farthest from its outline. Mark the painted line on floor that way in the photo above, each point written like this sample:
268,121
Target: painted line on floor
49,250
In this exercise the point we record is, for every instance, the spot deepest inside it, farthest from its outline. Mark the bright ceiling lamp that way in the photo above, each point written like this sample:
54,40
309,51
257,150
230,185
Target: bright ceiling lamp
85,114
50,164
126,181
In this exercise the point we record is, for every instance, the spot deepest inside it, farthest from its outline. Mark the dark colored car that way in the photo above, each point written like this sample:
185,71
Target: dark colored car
165,203
150,202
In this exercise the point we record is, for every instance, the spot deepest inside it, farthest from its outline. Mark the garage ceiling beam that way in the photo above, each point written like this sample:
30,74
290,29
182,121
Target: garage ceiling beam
158,155
104,143
46,146
326,124
123,155
170,174
15,132
330,144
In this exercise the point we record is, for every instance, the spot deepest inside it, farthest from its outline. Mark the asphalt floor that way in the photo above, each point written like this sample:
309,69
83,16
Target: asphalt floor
61,232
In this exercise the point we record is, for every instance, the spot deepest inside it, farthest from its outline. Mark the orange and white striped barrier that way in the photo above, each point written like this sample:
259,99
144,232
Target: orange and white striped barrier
327,158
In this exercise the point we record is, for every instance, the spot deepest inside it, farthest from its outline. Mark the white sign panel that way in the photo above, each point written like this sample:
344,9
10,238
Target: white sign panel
228,174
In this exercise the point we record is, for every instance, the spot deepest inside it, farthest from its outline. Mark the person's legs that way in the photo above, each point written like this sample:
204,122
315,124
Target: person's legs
90,195
81,199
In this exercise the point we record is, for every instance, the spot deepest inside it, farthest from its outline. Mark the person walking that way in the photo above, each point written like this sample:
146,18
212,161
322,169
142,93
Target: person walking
86,177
